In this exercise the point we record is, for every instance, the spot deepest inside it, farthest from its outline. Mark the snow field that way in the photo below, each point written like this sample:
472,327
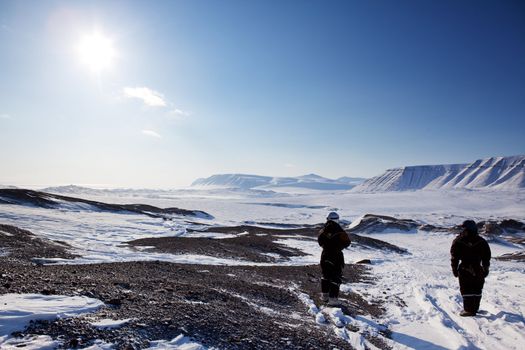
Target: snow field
423,300
100,236
418,289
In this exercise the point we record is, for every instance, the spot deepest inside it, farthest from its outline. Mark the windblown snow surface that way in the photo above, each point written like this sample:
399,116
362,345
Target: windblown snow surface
420,294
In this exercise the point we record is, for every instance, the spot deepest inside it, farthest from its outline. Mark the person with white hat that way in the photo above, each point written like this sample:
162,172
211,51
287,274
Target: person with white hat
333,239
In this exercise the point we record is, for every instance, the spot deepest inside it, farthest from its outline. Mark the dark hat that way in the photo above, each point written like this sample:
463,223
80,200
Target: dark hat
333,216
470,225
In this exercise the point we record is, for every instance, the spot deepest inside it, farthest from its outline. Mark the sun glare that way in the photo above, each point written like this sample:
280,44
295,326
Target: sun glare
96,51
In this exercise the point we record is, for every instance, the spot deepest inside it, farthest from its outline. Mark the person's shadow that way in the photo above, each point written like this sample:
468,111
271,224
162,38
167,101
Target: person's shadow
506,316
415,343
402,338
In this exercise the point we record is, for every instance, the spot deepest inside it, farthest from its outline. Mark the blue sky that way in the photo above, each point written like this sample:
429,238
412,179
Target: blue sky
266,87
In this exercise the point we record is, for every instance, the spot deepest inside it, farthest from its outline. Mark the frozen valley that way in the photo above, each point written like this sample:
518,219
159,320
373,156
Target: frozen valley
228,268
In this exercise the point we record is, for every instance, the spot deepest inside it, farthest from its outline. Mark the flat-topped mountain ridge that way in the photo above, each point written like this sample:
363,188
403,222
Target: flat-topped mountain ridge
499,173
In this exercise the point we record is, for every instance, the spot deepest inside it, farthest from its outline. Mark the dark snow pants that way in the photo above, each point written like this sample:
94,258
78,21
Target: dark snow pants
471,287
332,278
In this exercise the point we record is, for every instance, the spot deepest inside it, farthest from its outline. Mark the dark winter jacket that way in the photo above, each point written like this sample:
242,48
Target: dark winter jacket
474,254
333,239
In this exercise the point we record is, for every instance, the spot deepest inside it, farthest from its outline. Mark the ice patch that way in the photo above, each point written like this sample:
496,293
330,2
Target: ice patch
17,310
109,323
179,343
29,342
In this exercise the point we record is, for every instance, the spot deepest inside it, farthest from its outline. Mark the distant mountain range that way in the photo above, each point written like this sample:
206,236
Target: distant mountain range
506,173
499,173
245,181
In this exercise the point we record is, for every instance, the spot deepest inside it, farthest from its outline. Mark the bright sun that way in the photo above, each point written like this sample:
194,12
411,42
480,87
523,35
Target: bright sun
96,51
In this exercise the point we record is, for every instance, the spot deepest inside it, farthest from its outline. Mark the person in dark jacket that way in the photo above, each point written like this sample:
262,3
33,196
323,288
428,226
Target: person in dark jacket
333,239
470,260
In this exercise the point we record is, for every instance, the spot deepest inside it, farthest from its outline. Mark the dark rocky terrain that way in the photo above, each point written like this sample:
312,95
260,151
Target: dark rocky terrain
22,245
251,243
54,201
228,307
517,256
371,223
374,223
247,247
223,306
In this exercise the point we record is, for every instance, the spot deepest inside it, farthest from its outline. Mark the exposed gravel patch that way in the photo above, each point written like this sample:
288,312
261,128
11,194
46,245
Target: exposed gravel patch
250,243
23,246
223,306
229,307
249,247
517,256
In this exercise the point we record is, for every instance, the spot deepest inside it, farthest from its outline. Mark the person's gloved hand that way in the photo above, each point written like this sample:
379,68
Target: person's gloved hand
485,271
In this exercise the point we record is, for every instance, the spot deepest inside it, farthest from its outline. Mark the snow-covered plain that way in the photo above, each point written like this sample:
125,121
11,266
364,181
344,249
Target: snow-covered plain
430,319
420,293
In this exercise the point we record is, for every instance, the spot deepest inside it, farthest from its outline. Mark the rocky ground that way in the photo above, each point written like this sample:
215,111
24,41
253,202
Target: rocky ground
250,243
228,307
222,306
22,245
52,201
518,256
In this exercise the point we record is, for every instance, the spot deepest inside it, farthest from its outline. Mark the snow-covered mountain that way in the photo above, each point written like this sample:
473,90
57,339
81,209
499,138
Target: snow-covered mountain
354,181
244,181
497,173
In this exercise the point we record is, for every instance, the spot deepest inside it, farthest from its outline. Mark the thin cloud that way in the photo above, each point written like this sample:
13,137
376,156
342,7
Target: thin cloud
148,96
151,133
289,165
5,116
180,112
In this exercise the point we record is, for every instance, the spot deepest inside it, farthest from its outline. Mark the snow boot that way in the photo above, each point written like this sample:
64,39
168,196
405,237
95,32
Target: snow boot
467,313
334,302
324,297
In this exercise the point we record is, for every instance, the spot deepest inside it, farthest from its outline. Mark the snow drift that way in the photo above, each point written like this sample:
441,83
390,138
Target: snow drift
506,173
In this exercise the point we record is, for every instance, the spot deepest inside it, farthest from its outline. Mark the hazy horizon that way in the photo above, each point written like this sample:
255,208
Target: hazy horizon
157,94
